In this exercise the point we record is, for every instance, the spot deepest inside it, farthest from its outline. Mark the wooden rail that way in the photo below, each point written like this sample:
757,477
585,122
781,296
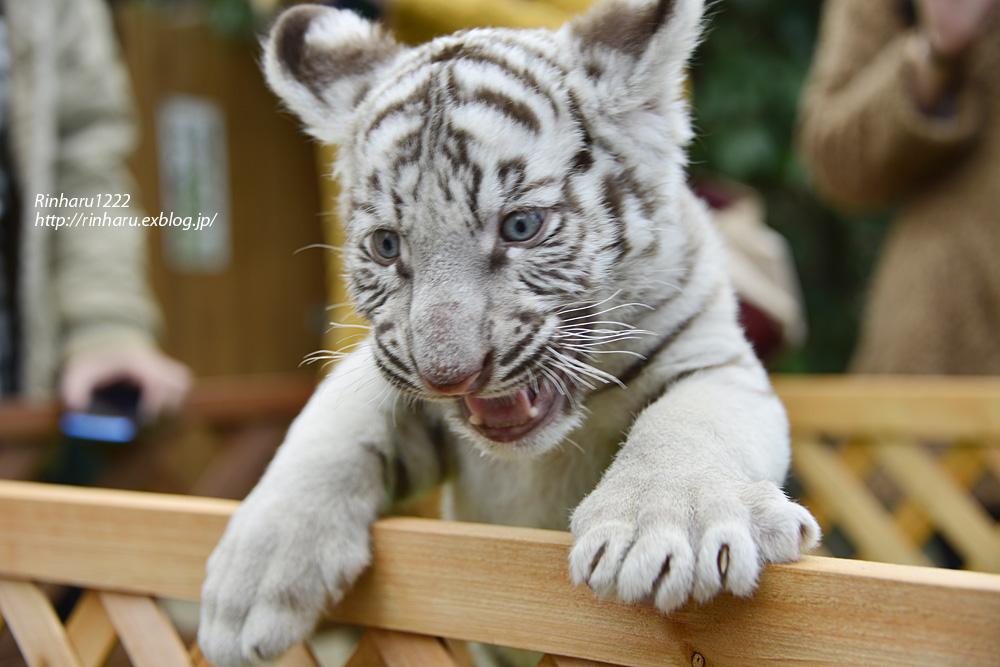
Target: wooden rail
891,463
900,466
509,586
949,407
219,400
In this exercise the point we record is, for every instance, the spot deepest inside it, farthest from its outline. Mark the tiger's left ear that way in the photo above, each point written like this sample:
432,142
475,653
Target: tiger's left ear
321,61
636,51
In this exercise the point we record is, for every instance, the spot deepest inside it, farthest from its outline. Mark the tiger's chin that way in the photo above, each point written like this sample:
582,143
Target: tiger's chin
530,421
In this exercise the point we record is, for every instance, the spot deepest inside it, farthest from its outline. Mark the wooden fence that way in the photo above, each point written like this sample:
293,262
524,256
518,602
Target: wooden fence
509,586
906,470
469,582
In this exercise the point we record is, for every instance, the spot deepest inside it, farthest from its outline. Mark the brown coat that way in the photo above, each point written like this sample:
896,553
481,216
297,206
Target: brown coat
934,305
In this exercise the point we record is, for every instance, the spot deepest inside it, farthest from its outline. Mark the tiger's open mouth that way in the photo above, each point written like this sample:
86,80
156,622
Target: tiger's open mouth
514,416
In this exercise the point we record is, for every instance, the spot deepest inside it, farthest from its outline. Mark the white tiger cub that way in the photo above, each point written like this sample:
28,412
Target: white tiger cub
553,326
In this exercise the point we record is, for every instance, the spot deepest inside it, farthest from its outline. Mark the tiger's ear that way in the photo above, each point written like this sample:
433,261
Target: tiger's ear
636,51
320,61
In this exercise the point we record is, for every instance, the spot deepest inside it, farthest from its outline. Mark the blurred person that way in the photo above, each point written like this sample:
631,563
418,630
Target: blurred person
76,310
903,107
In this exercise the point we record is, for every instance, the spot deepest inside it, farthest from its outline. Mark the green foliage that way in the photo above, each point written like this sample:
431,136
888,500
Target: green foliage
747,80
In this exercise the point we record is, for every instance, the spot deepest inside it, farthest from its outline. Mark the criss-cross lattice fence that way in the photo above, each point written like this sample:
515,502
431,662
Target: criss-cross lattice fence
900,470
435,583
494,584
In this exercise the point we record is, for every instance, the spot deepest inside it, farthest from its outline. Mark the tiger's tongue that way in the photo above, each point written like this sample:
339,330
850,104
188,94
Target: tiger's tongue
503,411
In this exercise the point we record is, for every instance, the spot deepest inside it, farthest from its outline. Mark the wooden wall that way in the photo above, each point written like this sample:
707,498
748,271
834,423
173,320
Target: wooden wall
264,311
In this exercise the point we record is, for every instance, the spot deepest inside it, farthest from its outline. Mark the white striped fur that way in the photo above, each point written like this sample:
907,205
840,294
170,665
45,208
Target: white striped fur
594,362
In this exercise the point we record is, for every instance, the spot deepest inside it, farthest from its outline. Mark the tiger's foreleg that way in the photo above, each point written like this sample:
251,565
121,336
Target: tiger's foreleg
691,505
301,537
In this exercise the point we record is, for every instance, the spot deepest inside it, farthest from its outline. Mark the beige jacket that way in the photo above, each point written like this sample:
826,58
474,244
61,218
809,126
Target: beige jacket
70,130
934,305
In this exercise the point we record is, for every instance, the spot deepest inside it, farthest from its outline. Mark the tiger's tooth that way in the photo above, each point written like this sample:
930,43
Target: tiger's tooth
475,420
533,412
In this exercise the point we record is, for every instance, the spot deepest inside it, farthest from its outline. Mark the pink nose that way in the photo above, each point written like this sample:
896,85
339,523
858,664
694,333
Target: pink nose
466,386
470,385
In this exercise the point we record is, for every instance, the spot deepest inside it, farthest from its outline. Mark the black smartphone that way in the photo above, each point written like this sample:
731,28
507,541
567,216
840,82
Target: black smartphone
112,416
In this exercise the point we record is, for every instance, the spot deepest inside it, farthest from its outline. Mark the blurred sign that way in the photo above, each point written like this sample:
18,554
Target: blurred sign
194,184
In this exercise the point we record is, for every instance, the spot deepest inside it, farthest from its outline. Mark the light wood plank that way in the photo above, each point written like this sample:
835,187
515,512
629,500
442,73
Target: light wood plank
299,655
857,511
562,661
90,631
460,651
934,406
912,521
510,586
154,544
948,407
992,459
385,648
965,465
961,518
515,592
197,659
844,404
366,655
857,454
36,629
403,649
146,634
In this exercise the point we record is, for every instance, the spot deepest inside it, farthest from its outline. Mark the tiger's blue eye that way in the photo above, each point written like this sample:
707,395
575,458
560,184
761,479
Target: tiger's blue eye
385,245
521,226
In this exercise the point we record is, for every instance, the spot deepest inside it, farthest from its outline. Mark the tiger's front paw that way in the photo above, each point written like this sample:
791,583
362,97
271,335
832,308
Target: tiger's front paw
269,580
668,542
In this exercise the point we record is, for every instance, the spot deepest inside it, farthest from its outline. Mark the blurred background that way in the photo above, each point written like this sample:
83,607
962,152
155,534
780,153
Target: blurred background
905,470
246,295
248,298
238,298
747,78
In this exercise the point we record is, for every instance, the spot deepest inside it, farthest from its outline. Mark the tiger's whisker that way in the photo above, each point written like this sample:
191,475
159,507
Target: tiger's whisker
588,305
608,310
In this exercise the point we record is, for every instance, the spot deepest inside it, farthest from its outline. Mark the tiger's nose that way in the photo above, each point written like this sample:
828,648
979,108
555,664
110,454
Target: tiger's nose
472,383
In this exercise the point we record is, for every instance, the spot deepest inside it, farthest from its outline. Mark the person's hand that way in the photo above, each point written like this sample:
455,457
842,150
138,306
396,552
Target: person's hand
953,26
948,29
163,382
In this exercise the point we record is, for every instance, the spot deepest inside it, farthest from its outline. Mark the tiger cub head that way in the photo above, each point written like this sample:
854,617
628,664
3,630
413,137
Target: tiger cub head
504,192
